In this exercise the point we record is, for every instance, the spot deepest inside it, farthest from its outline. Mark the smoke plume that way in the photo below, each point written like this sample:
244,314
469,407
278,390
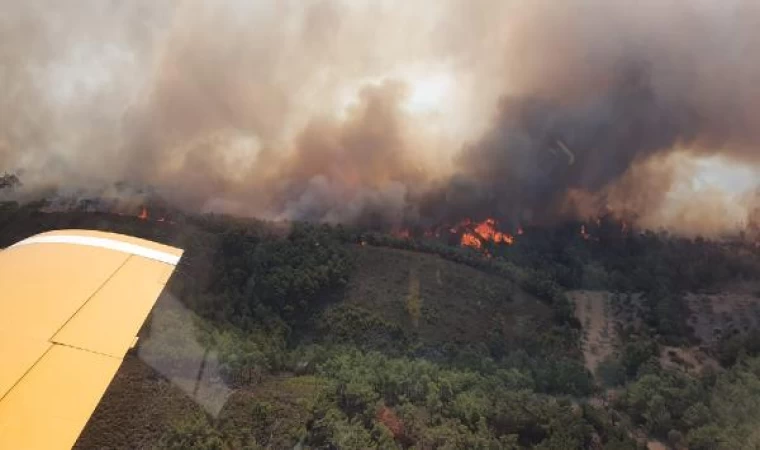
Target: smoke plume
384,113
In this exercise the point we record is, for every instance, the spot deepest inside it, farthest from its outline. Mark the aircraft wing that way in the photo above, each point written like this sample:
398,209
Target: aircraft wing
71,304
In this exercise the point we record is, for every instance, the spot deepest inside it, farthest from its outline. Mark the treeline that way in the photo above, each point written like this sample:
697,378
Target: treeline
714,411
264,277
369,400
631,261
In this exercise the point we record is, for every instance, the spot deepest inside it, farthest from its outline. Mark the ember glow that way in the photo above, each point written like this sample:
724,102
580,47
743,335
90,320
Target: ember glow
143,213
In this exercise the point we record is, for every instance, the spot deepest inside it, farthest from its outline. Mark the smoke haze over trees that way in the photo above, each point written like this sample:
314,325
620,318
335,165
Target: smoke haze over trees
384,111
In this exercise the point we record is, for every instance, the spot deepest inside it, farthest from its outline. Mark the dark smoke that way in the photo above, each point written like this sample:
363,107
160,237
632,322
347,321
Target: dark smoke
619,86
300,110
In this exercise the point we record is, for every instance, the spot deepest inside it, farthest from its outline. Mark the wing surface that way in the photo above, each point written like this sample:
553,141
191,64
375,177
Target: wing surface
71,305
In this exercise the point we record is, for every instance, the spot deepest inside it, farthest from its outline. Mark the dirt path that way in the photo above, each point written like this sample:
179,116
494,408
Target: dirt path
592,308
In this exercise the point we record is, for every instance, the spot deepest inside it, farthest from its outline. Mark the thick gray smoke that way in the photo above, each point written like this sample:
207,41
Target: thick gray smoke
602,90
381,112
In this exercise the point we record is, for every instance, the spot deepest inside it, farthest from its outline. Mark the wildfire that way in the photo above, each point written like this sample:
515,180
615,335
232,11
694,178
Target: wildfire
470,240
519,230
485,231
469,233
143,213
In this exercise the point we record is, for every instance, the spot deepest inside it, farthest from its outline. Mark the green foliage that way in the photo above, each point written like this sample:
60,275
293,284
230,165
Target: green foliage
245,357
733,346
611,372
255,273
193,432
667,314
707,437
735,407
563,376
637,353
462,409
659,401
536,281
724,414
347,324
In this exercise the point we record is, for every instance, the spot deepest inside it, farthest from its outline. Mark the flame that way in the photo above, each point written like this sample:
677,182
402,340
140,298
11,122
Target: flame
519,230
143,213
486,231
470,240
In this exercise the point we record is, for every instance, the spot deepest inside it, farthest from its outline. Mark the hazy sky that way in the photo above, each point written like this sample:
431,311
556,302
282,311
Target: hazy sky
316,109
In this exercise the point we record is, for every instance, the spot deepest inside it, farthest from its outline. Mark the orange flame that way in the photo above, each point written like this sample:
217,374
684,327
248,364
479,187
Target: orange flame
143,213
470,240
488,232
485,231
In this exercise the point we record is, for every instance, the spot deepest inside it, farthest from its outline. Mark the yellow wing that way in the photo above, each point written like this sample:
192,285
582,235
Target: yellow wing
71,304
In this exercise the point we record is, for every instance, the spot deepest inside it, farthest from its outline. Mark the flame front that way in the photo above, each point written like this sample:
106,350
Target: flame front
470,233
482,232
470,240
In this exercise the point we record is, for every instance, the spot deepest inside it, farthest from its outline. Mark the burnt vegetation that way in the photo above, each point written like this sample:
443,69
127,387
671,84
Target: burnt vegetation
334,337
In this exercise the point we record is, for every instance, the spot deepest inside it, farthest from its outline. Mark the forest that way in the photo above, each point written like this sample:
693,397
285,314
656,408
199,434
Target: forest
330,336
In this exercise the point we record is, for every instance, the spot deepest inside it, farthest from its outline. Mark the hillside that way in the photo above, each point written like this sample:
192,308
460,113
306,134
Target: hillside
439,301
277,335
457,304
137,409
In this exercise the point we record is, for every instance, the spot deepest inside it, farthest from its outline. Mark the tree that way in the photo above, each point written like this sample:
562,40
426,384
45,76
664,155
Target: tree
193,432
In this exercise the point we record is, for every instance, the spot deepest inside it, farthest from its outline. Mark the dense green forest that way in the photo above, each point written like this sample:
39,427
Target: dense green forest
335,337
